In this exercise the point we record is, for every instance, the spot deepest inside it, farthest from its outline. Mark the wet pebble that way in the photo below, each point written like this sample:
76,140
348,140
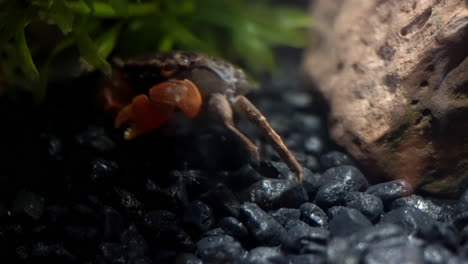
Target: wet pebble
103,171
52,252
283,215
135,245
311,182
233,227
313,215
300,235
28,204
271,194
414,221
127,199
336,182
390,191
441,211
351,249
307,259
95,139
243,178
395,251
220,250
347,221
198,215
314,145
276,170
369,205
222,200
112,223
187,258
334,159
436,254
264,255
162,226
262,226
113,253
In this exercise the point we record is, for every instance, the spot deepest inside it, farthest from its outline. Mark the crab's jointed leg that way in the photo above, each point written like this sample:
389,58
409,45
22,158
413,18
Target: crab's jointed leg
246,108
220,106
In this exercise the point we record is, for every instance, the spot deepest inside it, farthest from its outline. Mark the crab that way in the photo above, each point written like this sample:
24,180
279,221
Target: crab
144,93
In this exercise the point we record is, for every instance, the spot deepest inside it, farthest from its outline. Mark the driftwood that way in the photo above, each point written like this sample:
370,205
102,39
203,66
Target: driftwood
395,74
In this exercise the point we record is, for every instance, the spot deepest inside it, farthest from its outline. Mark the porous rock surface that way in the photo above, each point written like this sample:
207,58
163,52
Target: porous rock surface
395,76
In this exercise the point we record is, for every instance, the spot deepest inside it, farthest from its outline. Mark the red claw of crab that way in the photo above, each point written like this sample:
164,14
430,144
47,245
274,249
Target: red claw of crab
182,94
148,113
143,116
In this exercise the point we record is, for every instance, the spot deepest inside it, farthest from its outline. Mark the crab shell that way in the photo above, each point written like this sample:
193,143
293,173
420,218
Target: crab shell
136,76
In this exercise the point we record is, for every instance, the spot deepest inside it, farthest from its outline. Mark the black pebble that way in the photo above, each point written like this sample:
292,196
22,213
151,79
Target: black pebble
103,171
395,251
162,227
96,140
314,145
272,194
52,252
112,223
311,182
336,182
233,227
222,200
135,245
187,258
438,210
283,215
348,221
300,235
28,204
276,170
351,249
264,255
335,158
390,191
437,254
313,215
262,226
220,250
414,221
127,199
307,259
198,215
368,204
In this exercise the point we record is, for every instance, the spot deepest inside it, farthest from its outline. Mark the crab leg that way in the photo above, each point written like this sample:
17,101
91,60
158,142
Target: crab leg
246,108
219,105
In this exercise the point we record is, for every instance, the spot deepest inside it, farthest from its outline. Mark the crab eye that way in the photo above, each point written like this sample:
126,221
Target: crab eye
168,70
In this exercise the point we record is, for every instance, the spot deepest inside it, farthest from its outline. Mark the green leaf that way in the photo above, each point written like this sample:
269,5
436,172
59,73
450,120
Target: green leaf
61,16
89,51
104,10
106,42
120,7
44,70
257,54
25,58
90,5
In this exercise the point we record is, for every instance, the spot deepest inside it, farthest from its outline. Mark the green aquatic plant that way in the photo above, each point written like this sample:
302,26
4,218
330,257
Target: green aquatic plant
34,32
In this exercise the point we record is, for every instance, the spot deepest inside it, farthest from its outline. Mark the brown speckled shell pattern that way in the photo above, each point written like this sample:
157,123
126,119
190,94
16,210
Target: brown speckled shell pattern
210,74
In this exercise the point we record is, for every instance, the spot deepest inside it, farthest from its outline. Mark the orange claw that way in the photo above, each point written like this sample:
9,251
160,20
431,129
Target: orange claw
182,94
143,116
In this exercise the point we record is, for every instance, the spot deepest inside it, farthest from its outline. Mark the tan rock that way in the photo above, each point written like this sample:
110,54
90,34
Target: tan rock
395,74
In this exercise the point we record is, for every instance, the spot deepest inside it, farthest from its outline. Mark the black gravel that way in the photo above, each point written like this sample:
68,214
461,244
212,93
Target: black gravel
73,191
